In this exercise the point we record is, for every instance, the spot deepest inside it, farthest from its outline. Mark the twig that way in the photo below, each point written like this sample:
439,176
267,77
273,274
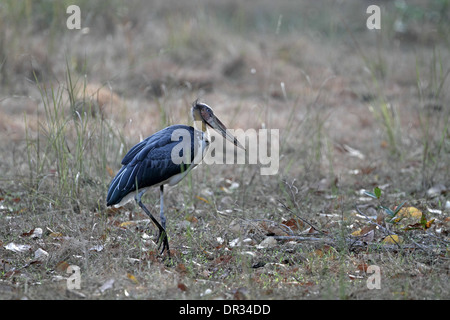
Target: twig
300,238
359,243
298,217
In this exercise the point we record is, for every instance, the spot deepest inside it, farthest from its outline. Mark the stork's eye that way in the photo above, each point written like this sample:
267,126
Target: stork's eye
206,113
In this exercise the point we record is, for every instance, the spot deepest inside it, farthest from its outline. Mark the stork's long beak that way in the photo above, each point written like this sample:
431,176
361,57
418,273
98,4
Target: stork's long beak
217,125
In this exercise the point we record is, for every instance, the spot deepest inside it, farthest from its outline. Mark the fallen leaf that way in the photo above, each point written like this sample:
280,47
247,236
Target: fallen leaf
312,230
55,235
326,249
271,228
127,224
436,190
353,152
241,294
409,212
132,278
392,239
364,231
268,242
367,170
429,223
181,268
293,223
202,199
62,266
182,287
423,224
33,233
96,248
107,285
191,219
40,254
354,277
17,247
222,259
368,237
363,267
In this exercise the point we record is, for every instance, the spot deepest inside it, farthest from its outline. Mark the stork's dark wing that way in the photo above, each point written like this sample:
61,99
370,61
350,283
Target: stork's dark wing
148,163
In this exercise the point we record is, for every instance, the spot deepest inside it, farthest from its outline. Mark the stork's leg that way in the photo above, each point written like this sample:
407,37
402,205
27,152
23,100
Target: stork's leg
162,231
161,212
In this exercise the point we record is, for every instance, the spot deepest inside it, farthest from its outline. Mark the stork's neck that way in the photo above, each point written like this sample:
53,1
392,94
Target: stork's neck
203,133
199,123
200,126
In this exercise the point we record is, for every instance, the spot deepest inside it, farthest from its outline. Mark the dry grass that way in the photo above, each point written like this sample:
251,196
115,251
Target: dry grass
74,102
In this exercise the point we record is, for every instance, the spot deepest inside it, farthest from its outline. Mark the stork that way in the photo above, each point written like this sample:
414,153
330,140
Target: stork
154,162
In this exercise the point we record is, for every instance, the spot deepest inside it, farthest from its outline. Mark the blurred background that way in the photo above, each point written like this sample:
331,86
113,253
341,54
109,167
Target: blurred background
345,98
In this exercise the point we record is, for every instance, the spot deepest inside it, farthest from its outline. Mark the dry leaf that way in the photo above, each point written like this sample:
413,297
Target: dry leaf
429,223
96,248
268,242
364,231
271,228
353,152
61,266
363,267
181,268
107,285
191,219
202,199
132,278
56,235
392,239
182,287
368,237
408,212
127,224
326,249
293,223
40,254
17,247
241,294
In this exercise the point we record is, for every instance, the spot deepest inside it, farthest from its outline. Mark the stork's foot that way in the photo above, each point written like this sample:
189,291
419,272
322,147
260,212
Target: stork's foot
162,237
163,241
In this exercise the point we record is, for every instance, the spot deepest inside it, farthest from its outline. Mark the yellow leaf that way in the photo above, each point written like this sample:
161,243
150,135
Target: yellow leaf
132,278
364,230
410,212
55,234
127,224
429,223
392,239
203,199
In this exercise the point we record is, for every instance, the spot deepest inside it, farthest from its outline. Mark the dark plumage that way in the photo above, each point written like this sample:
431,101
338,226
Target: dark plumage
162,159
148,164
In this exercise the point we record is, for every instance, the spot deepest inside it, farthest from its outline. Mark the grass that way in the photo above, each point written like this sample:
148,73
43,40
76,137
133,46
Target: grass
72,112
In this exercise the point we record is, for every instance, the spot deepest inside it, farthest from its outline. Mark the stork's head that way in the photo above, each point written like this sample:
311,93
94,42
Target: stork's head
203,114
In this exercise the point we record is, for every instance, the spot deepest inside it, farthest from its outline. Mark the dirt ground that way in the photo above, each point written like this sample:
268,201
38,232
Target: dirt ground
355,108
